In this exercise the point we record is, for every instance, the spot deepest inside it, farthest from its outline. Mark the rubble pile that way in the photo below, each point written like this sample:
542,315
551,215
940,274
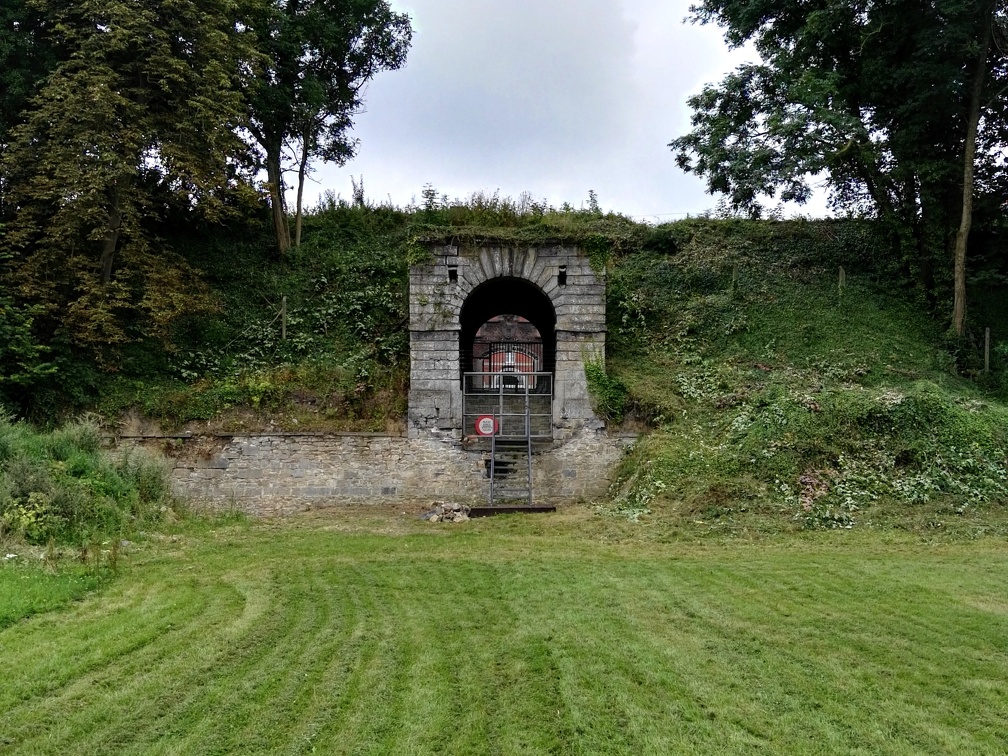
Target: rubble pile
443,511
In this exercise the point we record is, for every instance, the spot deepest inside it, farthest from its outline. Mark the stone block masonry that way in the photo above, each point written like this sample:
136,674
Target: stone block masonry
266,475
459,277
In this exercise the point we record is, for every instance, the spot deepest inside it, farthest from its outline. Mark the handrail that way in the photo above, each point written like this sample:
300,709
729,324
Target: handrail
498,372
498,417
510,397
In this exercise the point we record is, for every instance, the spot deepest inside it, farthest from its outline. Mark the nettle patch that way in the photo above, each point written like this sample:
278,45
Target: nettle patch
62,487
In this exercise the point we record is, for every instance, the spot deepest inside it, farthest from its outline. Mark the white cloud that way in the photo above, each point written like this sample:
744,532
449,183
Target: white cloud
554,97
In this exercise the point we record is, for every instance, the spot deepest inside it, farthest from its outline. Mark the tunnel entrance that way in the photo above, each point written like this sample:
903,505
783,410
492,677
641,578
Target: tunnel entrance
507,319
526,316
507,356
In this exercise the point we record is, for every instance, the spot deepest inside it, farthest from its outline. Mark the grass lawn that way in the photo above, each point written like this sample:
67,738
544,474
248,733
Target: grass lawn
24,590
370,632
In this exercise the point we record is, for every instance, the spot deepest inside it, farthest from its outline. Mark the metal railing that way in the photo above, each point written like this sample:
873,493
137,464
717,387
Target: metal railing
520,404
505,356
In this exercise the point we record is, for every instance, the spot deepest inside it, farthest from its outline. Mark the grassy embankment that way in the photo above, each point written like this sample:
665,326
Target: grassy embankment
778,395
767,391
62,486
570,633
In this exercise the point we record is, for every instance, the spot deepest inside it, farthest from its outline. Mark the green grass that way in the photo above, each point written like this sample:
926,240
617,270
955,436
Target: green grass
27,589
369,632
773,391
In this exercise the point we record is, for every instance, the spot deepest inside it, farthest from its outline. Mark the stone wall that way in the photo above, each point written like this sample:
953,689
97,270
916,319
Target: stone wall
285,473
440,289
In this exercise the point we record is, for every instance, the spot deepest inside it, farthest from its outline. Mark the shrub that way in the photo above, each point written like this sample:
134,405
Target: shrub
608,393
61,485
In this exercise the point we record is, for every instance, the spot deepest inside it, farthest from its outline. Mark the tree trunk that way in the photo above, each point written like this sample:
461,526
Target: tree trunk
274,179
973,120
111,240
922,213
302,170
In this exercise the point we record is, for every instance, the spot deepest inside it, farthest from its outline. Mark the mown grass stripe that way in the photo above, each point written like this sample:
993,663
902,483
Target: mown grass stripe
129,688
98,648
211,710
287,640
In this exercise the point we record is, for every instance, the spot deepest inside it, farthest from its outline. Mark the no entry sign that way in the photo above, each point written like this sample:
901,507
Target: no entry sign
486,425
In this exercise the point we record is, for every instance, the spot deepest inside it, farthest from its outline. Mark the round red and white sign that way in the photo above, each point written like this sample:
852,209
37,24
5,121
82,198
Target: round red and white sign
486,425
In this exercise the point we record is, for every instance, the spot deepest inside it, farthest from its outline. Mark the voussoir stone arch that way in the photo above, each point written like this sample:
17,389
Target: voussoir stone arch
439,290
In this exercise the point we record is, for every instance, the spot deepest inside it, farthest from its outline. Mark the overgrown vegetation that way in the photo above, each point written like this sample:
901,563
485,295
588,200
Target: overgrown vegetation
122,123
60,487
781,389
319,340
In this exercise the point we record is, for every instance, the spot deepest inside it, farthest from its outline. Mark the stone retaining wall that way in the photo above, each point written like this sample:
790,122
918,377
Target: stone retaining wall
285,473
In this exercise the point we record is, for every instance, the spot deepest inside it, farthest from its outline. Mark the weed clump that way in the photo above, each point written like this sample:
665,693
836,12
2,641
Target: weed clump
608,392
62,486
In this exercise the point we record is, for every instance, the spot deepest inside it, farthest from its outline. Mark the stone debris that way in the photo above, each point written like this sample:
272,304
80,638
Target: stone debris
443,511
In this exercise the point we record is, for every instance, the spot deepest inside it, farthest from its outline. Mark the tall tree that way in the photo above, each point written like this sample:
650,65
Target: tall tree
976,91
320,54
27,55
875,97
145,100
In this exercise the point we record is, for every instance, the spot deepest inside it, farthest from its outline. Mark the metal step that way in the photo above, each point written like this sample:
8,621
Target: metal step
510,455
502,468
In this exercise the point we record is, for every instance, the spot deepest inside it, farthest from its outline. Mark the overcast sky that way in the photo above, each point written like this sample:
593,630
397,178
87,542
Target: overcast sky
552,97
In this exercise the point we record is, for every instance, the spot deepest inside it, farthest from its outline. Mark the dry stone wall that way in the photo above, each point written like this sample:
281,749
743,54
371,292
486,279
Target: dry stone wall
279,474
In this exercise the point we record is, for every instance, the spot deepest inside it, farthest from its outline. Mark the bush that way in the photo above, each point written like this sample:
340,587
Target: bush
609,395
61,485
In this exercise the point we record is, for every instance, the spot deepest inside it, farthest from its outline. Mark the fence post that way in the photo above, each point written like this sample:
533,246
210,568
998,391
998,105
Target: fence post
283,318
842,281
987,351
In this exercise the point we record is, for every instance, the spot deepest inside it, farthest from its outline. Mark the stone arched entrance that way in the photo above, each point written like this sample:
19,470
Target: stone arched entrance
507,356
508,310
462,290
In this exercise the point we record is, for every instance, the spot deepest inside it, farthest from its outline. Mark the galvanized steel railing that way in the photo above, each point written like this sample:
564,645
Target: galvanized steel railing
519,403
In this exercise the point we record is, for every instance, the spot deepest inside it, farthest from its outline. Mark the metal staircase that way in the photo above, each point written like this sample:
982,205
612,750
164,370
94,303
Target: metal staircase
509,412
508,481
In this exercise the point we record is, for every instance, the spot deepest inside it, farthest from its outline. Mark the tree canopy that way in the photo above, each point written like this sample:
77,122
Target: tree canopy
144,105
872,97
319,54
118,117
26,57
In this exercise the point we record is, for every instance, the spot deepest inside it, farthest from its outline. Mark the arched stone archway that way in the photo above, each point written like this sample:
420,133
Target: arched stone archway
553,287
507,295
